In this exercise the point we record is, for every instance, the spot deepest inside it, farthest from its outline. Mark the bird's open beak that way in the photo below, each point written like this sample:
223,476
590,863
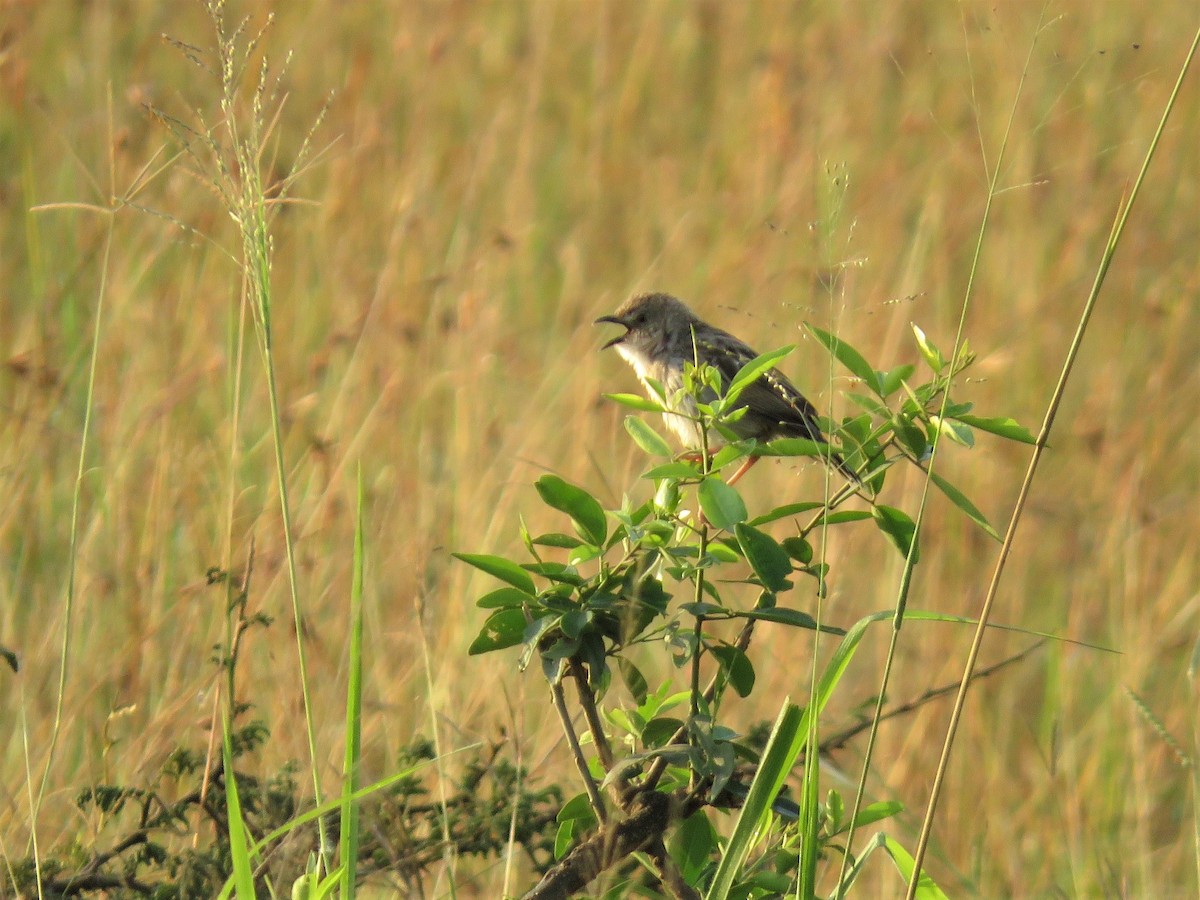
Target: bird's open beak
616,320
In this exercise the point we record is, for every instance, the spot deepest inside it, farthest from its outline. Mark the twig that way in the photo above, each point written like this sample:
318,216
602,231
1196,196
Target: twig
587,701
651,817
659,766
589,783
844,737
669,874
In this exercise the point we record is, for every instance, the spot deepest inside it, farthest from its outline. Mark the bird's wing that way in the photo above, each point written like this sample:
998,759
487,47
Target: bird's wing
771,396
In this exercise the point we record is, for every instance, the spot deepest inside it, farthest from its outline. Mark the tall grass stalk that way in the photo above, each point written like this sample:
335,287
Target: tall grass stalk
1056,397
353,757
809,812
448,853
33,835
910,560
76,503
1194,767
248,205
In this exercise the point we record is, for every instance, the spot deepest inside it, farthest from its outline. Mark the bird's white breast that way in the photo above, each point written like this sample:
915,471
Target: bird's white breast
670,376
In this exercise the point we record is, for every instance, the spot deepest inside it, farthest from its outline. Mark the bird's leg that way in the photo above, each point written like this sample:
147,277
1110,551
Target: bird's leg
743,469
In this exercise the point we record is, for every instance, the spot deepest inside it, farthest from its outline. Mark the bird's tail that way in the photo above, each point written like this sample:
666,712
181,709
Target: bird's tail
833,457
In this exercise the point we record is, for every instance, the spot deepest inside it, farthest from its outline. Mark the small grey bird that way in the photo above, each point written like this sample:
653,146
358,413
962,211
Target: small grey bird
658,340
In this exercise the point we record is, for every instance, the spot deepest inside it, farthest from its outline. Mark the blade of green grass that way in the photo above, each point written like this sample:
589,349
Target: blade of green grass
780,753
316,813
239,850
350,766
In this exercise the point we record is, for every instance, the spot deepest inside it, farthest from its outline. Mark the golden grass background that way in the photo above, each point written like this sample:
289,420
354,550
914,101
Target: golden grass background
496,176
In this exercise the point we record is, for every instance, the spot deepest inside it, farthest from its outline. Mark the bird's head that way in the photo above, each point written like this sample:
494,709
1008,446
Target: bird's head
651,322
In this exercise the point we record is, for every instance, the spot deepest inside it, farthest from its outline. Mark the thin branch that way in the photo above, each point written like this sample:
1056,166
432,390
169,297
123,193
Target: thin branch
647,823
589,783
669,874
844,737
587,701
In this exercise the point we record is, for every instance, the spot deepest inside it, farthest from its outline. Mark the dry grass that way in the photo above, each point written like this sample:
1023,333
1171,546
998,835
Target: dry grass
499,176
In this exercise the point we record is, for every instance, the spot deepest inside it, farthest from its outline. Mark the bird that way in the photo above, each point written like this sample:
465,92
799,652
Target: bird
662,334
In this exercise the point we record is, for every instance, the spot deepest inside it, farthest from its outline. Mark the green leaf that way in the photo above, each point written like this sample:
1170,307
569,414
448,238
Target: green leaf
677,470
349,822
793,447
770,562
1003,426
555,571
635,681
646,437
730,453
583,553
933,356
722,505
504,628
960,500
783,616
659,730
701,608
910,436
504,569
798,549
692,844
783,512
737,667
557,539
503,598
526,537
575,621
657,387
753,370
848,357
917,398
564,838
955,431
897,525
626,719
927,888
876,812
835,809
870,404
667,496
890,381
578,808
636,401
584,509
846,515
725,551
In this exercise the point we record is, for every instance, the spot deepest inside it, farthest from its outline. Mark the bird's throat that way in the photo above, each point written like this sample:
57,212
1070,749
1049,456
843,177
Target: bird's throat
638,360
